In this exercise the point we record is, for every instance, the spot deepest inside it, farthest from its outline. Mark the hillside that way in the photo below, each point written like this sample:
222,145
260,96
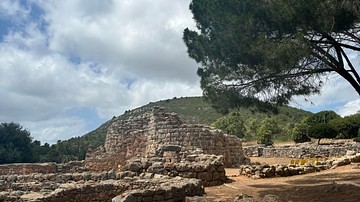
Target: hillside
190,109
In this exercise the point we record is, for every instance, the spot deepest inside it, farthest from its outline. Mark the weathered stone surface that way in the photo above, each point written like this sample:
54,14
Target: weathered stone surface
155,189
304,150
41,168
27,168
208,168
303,166
244,198
160,131
271,198
176,190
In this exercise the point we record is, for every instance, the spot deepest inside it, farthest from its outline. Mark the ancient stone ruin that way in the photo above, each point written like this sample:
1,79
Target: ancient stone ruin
49,184
144,137
303,150
151,157
298,167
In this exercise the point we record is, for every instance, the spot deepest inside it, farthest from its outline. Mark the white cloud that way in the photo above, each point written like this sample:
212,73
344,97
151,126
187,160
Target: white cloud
336,92
50,129
138,36
350,108
130,53
103,55
13,9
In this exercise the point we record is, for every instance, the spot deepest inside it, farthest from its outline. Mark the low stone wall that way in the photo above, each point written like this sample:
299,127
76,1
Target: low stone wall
27,168
44,168
302,150
169,191
209,168
298,167
71,167
96,188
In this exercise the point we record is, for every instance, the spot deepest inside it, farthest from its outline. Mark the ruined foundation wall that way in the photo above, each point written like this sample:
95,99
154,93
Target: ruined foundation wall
27,168
43,168
302,150
144,135
96,187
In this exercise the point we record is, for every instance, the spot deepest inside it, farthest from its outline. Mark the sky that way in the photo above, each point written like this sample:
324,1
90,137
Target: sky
68,66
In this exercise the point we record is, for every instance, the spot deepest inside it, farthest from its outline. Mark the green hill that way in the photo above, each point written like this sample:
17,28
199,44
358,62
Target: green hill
190,109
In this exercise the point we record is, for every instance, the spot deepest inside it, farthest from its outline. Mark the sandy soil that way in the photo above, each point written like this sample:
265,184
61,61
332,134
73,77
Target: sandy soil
340,184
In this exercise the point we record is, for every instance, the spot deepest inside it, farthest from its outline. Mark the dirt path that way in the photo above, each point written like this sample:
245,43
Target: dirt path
340,184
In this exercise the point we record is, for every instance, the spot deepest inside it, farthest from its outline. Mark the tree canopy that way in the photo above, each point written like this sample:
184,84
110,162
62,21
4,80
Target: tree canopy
15,144
232,124
322,117
272,50
322,130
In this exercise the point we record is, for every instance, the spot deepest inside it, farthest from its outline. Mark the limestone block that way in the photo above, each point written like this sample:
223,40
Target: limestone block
182,167
187,174
206,176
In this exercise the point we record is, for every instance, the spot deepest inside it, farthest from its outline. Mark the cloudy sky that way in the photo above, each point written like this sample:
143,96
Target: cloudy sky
67,66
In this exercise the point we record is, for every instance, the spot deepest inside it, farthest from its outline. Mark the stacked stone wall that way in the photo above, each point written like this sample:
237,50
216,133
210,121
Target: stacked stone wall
302,150
208,168
27,168
96,187
297,167
43,168
143,135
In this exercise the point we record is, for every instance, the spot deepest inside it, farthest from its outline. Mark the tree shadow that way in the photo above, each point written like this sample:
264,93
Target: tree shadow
325,187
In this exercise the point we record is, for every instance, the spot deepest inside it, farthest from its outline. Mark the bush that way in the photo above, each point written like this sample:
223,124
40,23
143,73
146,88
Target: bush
322,130
265,137
300,138
268,129
348,127
232,124
300,133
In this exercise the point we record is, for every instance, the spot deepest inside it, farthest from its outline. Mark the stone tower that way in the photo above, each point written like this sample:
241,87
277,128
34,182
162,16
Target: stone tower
143,135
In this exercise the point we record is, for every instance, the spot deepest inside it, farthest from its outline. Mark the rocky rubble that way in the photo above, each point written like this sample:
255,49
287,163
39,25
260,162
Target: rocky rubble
151,157
304,166
175,190
144,179
44,168
152,188
209,168
247,198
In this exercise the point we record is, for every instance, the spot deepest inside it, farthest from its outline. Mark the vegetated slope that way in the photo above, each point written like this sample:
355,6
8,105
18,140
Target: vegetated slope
190,109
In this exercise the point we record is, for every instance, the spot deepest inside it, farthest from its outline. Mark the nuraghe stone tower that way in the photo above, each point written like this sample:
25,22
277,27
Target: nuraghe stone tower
143,135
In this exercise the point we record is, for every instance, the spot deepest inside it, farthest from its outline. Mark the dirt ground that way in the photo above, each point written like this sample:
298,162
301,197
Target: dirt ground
340,184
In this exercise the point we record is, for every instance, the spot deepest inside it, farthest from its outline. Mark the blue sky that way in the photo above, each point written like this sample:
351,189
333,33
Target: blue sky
68,66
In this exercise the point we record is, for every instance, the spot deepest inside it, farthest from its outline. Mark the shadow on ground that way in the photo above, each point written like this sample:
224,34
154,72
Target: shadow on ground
328,187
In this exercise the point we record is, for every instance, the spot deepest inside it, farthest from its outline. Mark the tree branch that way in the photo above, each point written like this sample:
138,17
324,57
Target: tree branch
352,68
336,43
277,77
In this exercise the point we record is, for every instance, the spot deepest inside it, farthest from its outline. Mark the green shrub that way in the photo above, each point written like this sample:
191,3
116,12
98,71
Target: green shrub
300,138
232,124
265,137
348,126
300,133
322,130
